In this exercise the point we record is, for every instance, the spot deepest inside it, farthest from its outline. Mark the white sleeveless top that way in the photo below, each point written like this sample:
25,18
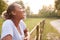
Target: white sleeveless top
8,27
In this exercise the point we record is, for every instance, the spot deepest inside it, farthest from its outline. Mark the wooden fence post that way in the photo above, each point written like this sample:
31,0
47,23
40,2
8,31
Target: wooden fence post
37,32
41,28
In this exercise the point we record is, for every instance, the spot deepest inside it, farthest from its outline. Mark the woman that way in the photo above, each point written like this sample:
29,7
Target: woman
14,28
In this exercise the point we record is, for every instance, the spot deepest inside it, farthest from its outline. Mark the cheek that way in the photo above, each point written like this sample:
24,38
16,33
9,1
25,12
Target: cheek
20,15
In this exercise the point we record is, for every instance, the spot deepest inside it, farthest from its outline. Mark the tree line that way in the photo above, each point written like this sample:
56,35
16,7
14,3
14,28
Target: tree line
44,12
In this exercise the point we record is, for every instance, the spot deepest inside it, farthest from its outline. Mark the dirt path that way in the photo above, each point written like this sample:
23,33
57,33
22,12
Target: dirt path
56,24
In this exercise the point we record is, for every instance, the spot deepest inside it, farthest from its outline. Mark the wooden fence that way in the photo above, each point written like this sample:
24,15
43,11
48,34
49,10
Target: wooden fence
37,31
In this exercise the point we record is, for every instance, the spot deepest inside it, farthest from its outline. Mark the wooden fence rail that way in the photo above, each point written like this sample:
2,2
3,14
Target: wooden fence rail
37,31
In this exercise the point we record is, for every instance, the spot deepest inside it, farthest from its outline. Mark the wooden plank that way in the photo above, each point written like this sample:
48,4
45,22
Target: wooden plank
37,32
33,29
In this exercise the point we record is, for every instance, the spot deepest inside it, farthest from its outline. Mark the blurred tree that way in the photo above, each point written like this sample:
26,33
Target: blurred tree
21,2
57,6
47,12
3,6
28,11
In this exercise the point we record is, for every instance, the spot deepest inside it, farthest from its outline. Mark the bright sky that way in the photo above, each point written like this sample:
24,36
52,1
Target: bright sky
35,5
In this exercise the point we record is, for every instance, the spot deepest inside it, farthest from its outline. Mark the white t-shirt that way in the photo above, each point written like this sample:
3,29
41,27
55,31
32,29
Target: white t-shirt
8,27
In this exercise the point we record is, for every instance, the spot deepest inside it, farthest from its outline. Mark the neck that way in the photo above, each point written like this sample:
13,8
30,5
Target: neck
16,21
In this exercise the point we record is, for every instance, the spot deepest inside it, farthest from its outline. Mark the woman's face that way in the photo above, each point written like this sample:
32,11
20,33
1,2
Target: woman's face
19,11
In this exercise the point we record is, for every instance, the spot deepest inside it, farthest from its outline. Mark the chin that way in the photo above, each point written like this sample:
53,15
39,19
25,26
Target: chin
24,18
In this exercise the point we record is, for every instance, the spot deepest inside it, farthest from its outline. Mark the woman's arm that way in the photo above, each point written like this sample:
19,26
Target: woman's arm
8,37
27,35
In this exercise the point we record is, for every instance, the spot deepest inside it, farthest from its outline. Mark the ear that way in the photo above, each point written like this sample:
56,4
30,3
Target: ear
13,13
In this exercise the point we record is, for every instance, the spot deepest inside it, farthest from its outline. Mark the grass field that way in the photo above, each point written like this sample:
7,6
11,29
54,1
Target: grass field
31,22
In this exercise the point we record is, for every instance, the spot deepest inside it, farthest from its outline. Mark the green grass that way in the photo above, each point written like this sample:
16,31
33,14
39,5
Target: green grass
32,22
